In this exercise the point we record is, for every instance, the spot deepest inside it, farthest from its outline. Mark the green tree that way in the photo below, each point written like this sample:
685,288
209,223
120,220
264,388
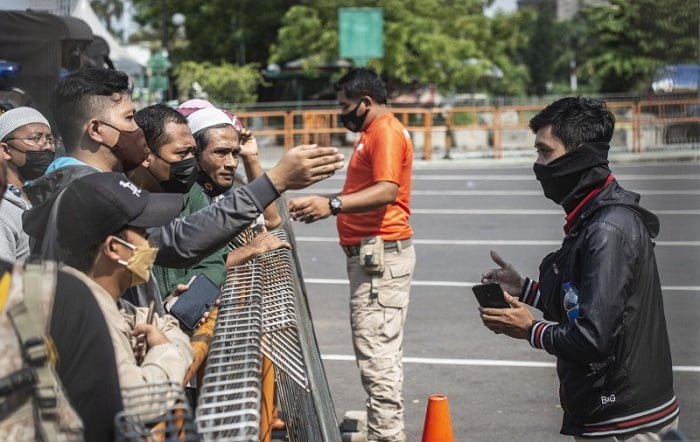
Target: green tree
107,10
544,50
225,83
239,31
622,43
451,44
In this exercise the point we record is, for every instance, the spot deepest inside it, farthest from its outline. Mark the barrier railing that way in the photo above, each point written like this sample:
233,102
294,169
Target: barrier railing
492,131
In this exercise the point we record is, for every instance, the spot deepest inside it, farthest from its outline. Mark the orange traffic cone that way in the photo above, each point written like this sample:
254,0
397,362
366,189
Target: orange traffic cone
438,425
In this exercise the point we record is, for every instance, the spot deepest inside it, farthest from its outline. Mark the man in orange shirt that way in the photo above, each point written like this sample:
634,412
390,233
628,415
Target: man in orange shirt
372,217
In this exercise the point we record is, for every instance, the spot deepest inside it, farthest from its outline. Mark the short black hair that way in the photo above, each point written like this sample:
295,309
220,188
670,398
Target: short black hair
576,120
203,137
83,259
152,120
83,95
361,82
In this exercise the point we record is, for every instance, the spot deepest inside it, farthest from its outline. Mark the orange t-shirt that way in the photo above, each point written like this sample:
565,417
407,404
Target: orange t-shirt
384,152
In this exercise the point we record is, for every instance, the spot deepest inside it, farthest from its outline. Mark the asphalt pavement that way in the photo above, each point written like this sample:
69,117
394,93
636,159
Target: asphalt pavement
499,389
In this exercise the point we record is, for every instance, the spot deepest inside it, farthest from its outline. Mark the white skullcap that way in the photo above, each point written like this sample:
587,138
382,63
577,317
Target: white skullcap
207,117
18,117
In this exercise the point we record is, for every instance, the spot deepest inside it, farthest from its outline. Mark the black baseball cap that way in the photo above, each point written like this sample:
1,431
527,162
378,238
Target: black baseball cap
101,204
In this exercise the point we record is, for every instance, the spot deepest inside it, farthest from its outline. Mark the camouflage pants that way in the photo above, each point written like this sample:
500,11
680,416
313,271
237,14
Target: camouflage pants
377,334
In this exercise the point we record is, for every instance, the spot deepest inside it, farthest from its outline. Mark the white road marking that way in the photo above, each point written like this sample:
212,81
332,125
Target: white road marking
338,281
484,362
531,177
526,212
538,193
493,242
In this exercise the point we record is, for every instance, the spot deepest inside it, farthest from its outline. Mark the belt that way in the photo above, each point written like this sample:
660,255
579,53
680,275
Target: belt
388,245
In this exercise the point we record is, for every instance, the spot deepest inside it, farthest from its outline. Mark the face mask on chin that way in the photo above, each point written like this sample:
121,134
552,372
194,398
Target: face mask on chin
353,122
211,187
131,148
140,262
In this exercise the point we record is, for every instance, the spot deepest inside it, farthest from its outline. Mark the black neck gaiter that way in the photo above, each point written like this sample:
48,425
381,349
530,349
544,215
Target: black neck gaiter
569,178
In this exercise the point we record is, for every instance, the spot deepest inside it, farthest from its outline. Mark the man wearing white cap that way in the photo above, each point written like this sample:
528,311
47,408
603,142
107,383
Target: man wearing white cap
27,145
222,142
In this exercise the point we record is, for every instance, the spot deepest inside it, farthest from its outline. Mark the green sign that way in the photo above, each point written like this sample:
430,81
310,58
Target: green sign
361,32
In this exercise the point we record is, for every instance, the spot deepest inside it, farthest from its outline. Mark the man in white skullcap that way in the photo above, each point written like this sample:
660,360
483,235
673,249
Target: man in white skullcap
27,145
222,142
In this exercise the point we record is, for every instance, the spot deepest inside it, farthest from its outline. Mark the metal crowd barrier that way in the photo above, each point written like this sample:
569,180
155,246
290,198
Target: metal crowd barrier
157,412
228,407
264,311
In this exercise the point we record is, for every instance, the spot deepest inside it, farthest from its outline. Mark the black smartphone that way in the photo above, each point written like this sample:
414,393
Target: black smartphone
490,296
199,298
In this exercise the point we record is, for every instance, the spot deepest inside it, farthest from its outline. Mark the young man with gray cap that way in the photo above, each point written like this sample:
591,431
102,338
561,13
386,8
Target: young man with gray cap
27,145
102,222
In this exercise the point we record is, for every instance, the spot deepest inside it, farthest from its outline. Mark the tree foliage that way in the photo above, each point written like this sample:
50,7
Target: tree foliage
107,10
622,43
451,44
225,82
239,31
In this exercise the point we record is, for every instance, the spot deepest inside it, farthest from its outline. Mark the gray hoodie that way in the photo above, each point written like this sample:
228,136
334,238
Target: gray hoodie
14,243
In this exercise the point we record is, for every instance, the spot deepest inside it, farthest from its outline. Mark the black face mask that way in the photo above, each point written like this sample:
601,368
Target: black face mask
352,121
570,177
35,163
183,175
211,187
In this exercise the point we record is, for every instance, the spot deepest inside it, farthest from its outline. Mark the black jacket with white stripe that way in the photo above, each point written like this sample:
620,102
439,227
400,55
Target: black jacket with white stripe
614,361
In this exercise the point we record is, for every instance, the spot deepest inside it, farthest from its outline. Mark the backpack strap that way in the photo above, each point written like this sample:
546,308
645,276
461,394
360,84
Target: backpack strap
38,349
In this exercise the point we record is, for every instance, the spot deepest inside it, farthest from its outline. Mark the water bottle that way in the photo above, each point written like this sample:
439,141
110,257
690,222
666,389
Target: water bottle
570,300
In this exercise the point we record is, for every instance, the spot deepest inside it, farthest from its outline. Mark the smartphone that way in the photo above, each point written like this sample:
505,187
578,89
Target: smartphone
199,298
490,296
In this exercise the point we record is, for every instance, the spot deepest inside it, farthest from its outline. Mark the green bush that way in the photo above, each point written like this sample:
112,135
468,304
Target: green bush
224,83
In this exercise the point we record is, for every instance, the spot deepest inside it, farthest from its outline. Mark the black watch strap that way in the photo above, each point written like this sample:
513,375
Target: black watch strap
335,204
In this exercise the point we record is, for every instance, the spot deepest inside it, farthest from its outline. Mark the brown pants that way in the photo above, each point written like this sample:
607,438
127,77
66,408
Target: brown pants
377,334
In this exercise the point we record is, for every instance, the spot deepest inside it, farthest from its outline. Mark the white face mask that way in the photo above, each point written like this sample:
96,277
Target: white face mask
141,261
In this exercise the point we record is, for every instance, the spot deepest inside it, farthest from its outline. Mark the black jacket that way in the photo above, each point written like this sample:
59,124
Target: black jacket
614,361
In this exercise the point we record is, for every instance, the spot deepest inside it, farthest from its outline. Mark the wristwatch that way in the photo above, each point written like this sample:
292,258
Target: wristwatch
335,204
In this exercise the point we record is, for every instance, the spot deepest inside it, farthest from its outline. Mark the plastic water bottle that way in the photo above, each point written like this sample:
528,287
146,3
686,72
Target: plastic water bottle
570,300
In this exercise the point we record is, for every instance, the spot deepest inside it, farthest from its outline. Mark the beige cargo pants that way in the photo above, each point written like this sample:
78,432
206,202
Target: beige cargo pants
377,334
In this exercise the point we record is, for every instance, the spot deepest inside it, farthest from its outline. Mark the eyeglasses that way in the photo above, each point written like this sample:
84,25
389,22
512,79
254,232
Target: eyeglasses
36,140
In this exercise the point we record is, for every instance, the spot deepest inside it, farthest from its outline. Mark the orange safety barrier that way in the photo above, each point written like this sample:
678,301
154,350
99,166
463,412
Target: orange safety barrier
200,342
633,116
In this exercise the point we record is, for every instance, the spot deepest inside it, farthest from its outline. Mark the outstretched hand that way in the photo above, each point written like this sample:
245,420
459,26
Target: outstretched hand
506,276
304,165
308,209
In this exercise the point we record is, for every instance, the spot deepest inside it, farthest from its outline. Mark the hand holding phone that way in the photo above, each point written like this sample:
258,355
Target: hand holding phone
191,305
490,296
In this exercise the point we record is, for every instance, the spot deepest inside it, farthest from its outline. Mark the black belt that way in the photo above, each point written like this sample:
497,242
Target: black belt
388,245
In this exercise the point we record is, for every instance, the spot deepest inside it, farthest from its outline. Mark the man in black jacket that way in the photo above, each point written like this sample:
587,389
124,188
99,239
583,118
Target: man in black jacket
600,292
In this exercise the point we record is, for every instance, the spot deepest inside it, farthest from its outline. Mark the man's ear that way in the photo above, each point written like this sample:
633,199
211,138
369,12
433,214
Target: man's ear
93,131
109,249
149,159
5,152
